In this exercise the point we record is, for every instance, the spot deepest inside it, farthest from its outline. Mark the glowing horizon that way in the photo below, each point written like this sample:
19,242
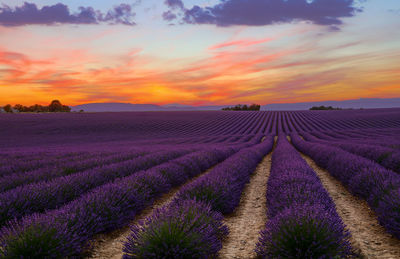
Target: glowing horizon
132,54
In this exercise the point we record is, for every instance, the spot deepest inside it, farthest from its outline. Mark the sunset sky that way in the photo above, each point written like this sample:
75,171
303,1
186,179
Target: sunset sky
198,52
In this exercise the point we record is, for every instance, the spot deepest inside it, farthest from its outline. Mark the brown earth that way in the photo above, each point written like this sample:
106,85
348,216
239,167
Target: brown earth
368,237
249,217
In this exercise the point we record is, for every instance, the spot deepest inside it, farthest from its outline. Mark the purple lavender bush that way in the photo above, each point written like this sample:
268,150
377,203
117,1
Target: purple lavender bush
222,187
303,222
186,229
304,232
65,168
38,237
388,210
363,177
38,197
103,209
384,156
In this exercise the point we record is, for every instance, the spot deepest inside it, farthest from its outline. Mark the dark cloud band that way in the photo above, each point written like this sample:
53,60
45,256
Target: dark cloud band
59,13
265,12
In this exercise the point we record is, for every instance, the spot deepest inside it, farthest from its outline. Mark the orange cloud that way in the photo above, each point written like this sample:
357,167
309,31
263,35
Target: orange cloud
231,72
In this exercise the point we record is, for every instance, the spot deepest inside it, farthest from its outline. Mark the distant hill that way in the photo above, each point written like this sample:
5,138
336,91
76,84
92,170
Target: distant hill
365,103
129,107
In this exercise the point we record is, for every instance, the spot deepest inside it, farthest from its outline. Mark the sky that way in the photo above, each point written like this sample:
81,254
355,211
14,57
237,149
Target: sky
198,52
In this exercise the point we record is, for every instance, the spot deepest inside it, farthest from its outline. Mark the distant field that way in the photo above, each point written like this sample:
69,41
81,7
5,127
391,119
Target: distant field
303,184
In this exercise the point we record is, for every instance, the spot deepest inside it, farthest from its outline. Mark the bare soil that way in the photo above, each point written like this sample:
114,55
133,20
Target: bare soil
250,216
109,245
368,237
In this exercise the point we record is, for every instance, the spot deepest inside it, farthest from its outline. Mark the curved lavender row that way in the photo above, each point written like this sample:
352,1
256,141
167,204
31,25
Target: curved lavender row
24,164
21,160
45,157
223,186
67,168
387,157
37,197
378,186
386,140
174,231
296,200
65,232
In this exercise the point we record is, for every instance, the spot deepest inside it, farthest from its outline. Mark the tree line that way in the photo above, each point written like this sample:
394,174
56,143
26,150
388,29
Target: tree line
323,108
54,106
239,107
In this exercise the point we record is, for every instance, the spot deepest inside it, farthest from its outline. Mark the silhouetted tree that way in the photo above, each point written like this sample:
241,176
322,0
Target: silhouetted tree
323,108
8,108
19,107
239,107
55,106
254,107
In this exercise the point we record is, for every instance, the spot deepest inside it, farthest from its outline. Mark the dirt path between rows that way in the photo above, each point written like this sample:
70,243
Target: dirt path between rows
249,217
109,245
368,237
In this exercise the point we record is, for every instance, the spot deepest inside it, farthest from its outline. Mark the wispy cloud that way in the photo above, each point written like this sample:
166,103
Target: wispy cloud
241,43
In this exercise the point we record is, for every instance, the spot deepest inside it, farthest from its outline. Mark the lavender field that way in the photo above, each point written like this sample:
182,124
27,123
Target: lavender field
303,184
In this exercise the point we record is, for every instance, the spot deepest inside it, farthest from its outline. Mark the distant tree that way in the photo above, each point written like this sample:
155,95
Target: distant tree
55,106
254,107
81,110
239,107
35,108
19,107
323,108
66,108
8,108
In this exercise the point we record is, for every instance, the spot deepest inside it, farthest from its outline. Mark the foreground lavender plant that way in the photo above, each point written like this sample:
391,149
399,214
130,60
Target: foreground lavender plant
187,229
304,231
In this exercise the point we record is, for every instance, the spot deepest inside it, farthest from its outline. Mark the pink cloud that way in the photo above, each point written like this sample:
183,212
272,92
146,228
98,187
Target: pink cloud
240,43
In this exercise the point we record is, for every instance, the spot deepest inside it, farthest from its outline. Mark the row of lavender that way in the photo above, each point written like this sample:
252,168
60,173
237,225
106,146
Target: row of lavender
24,167
385,138
44,195
66,231
24,193
64,168
379,186
302,218
384,155
22,160
191,226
